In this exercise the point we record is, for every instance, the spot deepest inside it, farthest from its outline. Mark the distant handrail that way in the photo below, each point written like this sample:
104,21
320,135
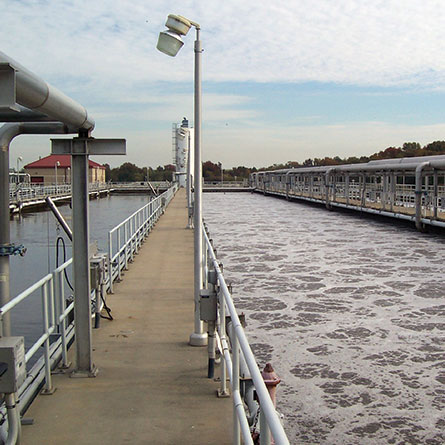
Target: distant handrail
25,192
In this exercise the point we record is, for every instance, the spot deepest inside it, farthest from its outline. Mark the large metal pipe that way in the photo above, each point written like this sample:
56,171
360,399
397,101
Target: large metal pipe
34,93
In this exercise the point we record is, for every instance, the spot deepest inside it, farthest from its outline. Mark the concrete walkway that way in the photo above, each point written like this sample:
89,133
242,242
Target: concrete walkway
152,386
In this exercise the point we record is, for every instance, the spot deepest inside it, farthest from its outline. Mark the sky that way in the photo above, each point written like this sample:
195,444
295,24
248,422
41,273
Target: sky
282,81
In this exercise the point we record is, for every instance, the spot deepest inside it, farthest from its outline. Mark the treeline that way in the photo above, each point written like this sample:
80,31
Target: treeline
409,149
212,172
129,172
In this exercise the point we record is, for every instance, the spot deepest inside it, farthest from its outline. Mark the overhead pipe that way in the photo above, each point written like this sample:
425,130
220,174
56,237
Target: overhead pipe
27,89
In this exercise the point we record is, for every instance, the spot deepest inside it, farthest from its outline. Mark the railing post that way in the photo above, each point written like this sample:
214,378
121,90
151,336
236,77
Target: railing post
264,429
119,247
222,333
62,323
235,385
110,261
48,382
125,244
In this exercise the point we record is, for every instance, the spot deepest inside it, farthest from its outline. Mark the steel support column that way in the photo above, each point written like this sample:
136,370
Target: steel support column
81,262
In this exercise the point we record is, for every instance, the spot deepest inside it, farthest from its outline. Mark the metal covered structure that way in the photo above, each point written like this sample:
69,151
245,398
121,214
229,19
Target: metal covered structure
405,188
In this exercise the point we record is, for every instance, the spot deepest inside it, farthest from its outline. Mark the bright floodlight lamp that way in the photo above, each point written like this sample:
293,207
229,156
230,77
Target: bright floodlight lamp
170,41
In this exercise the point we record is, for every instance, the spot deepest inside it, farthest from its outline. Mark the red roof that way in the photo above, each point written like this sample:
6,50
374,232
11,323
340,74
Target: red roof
64,160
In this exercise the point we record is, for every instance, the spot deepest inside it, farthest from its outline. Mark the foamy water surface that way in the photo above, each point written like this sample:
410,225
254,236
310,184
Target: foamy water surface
349,310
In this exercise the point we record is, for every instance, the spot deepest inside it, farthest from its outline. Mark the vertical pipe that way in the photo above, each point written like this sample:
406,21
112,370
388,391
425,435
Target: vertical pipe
198,337
418,191
5,237
435,198
81,240
393,188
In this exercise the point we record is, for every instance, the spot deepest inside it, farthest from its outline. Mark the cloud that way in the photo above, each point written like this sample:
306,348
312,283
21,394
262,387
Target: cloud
351,41
103,55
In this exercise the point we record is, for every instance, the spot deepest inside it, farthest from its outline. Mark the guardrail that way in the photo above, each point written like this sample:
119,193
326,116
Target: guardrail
57,332
139,185
227,184
57,318
241,358
125,239
25,192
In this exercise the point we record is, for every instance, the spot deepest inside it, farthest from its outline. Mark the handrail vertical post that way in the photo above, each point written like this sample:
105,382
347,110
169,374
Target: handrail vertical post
235,385
126,244
222,333
119,248
264,429
62,305
48,382
110,261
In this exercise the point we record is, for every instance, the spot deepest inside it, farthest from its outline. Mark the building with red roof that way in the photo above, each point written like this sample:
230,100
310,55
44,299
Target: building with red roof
56,169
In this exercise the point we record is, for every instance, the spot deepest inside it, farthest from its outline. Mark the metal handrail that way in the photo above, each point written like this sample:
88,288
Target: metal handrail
268,411
125,239
25,192
55,315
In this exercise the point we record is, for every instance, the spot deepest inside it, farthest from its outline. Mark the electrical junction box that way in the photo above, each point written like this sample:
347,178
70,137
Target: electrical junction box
207,305
12,363
97,270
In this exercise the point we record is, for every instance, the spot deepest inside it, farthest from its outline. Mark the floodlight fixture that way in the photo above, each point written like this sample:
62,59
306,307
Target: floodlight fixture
170,41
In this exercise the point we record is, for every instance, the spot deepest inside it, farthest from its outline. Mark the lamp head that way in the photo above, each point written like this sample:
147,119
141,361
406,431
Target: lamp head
169,43
178,24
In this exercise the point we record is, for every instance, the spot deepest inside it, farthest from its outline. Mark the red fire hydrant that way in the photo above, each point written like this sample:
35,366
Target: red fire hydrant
271,380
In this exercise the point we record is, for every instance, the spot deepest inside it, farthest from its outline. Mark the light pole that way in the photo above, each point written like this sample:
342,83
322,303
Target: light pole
57,164
170,43
222,172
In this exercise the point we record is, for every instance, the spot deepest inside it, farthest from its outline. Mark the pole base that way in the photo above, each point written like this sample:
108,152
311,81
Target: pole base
198,339
83,374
